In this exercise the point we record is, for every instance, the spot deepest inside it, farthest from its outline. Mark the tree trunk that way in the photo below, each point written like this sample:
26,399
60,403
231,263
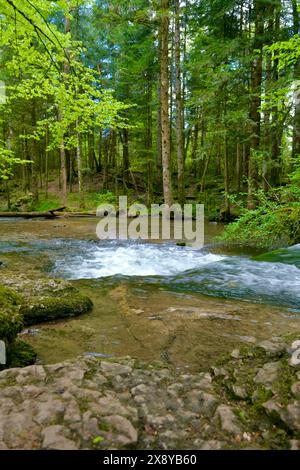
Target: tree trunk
79,168
63,172
99,161
179,108
226,178
256,80
158,133
91,149
46,163
238,165
267,124
195,144
126,164
165,129
276,129
296,127
7,186
148,137
63,162
35,164
105,162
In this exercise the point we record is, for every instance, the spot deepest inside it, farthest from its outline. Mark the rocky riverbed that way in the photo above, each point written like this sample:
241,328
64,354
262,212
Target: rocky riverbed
249,400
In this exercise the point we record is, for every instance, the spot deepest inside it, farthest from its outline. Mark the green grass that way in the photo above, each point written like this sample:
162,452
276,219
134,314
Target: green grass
43,205
92,201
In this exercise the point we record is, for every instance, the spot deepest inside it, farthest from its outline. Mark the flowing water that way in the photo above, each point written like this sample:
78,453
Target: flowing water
159,300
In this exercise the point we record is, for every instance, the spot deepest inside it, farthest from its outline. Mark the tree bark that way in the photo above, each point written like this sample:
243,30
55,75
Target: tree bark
226,178
255,102
35,164
165,129
276,129
63,162
238,165
148,137
79,167
126,163
179,107
296,126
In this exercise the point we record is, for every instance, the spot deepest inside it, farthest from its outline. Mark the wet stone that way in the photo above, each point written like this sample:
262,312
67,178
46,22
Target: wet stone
239,392
228,420
296,389
54,439
272,348
268,374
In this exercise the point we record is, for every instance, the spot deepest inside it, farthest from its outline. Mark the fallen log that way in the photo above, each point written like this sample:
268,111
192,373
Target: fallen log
50,214
79,214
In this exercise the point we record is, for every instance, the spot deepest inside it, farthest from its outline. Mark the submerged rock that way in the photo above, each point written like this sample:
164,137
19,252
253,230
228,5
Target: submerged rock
33,301
69,303
41,299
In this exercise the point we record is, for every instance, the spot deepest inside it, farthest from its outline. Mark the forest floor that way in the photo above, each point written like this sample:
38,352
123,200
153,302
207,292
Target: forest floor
95,194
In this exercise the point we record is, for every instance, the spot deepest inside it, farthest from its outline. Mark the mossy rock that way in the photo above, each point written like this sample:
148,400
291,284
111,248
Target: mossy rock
11,320
20,354
68,303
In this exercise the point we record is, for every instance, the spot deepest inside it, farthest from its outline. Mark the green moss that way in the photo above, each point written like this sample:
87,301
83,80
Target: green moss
268,428
283,385
262,395
20,354
104,427
83,404
11,321
276,439
15,312
69,303
9,298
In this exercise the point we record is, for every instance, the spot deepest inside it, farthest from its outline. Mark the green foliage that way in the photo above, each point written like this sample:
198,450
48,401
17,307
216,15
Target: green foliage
266,227
74,99
8,160
286,52
44,205
106,197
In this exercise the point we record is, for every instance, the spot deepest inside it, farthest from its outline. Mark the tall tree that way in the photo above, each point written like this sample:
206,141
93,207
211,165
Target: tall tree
179,105
255,98
296,125
164,99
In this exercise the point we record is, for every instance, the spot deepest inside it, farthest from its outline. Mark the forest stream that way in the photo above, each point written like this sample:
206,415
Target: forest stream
155,301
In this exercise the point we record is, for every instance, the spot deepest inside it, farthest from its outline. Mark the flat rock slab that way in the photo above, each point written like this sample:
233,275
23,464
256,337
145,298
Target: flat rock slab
94,403
247,402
